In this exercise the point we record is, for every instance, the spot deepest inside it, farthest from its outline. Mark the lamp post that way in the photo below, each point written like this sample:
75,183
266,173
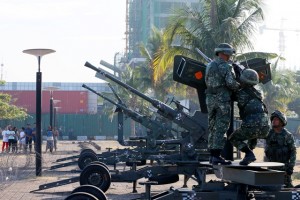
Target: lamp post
55,112
51,89
38,151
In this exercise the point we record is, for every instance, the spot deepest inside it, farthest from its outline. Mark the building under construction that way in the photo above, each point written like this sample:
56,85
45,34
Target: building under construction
142,15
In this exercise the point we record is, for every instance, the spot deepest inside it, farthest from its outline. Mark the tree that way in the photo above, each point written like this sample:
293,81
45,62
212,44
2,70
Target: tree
282,90
295,106
9,111
215,21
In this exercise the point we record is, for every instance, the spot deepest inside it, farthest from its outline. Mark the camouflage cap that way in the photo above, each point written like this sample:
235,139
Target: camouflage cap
249,76
280,116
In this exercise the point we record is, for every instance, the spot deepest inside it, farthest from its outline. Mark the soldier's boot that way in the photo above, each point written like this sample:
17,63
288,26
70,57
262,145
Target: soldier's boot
249,156
215,157
219,160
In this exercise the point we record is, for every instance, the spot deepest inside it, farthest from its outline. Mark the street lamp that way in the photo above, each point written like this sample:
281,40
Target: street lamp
51,89
38,151
55,112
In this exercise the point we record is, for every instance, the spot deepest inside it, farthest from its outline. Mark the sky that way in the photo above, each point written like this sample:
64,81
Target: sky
93,30
78,30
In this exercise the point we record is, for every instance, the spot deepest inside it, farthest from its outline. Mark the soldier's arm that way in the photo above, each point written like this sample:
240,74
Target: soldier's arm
230,77
293,150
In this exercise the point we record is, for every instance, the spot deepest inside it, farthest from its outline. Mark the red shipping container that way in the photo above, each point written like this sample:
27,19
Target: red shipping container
69,101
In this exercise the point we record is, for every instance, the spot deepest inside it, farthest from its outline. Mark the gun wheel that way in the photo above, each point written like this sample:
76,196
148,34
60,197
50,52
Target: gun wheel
87,150
99,163
85,159
80,196
96,175
91,189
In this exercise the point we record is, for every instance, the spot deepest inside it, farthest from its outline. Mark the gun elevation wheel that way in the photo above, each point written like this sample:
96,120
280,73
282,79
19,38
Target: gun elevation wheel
86,158
80,196
91,189
96,175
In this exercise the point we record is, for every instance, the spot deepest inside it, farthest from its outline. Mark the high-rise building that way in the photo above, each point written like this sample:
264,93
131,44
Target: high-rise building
141,15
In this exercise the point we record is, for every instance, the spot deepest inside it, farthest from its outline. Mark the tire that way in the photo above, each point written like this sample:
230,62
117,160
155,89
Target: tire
87,150
96,175
138,163
100,163
91,189
81,196
85,159
165,179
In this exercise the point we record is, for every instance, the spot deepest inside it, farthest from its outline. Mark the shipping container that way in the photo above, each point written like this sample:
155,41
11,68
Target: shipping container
67,102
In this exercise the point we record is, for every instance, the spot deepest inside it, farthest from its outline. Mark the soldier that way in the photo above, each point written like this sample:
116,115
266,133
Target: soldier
220,82
254,116
280,146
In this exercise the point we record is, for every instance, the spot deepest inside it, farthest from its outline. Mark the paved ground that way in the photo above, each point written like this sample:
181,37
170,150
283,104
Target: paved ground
17,175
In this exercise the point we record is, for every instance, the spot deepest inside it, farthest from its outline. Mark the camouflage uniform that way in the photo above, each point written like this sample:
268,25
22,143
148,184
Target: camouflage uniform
220,81
280,147
254,118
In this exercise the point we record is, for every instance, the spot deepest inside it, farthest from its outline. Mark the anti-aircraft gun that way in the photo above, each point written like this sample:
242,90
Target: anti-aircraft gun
196,133
157,129
192,73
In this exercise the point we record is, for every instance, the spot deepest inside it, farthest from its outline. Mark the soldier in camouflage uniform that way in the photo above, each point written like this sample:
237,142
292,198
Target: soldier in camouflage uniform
280,146
220,82
254,116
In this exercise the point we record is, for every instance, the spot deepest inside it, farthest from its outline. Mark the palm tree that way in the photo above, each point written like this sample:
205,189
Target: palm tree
216,21
282,90
158,87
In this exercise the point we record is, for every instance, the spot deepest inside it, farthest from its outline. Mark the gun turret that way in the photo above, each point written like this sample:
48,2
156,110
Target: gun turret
196,127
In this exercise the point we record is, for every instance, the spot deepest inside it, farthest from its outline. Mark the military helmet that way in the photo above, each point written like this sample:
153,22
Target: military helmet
280,116
249,76
225,48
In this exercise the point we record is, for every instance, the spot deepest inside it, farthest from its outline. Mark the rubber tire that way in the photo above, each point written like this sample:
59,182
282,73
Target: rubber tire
91,189
87,150
165,178
80,196
100,163
85,159
100,171
139,163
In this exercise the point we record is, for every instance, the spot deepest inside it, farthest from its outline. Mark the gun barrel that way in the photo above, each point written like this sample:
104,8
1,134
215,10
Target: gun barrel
99,94
131,89
129,112
203,55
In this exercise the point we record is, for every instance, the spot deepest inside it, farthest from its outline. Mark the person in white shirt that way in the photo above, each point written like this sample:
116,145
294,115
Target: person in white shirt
5,134
22,140
11,138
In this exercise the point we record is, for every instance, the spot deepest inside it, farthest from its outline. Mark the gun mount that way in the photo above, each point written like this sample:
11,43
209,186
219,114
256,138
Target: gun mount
196,125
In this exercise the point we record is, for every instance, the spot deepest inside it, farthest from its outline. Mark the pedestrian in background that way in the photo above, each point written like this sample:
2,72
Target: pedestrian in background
22,140
50,142
28,132
5,134
55,137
